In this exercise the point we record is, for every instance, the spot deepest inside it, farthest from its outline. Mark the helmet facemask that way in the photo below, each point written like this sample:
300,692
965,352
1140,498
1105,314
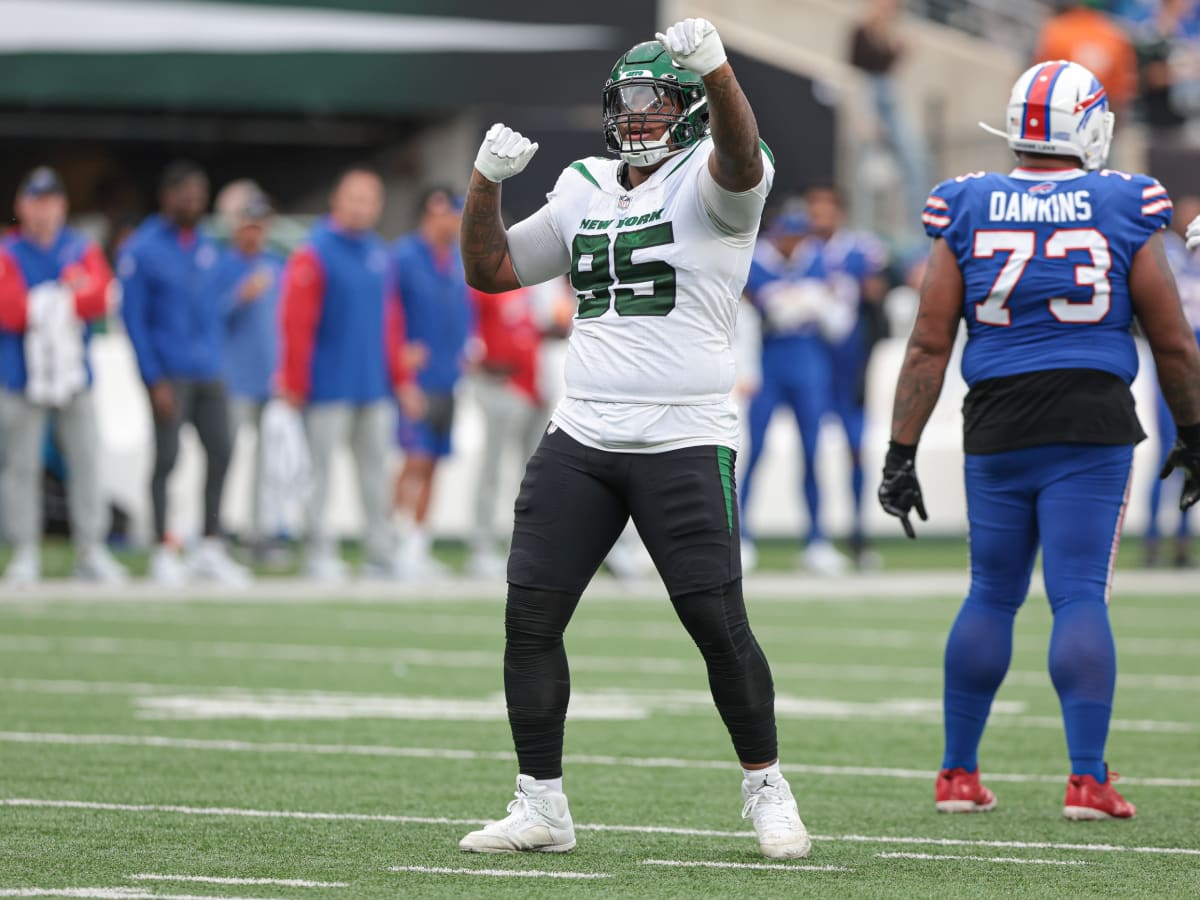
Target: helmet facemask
639,104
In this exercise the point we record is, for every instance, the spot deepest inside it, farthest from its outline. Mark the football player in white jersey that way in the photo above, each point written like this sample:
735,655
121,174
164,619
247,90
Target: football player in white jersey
657,243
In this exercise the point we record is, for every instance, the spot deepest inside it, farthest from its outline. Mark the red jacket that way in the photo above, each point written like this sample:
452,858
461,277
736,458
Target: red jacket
510,337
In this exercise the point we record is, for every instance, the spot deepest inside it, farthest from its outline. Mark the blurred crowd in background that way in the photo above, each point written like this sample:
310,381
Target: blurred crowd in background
307,332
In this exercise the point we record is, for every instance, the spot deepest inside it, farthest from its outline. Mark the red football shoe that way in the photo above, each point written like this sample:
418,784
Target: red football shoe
1089,799
958,791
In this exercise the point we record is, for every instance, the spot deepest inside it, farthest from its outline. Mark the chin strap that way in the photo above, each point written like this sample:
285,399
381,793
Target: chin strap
990,130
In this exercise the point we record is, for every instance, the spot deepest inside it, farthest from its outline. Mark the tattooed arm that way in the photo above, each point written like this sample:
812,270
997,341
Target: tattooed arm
736,162
1176,355
483,239
929,345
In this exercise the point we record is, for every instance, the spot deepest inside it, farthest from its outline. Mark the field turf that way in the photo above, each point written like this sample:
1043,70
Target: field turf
327,742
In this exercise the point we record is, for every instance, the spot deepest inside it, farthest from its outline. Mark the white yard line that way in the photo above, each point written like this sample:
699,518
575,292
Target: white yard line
594,620
782,587
399,658
1011,845
500,873
458,754
767,867
987,859
810,672
113,893
797,633
216,879
619,829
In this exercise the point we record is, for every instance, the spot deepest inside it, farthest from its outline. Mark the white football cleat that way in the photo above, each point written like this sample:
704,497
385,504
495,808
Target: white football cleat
772,809
487,565
538,821
167,569
416,561
625,560
822,558
95,564
325,566
210,561
25,567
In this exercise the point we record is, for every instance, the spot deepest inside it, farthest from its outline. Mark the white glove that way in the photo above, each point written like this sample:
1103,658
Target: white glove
503,153
1193,233
695,45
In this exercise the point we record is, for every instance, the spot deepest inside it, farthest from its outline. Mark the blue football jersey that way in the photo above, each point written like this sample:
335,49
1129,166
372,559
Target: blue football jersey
785,291
1045,258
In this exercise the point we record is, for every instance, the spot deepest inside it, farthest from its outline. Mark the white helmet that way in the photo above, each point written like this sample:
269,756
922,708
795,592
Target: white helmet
1059,108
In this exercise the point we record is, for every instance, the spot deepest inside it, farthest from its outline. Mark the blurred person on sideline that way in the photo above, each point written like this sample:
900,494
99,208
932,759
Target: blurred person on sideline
175,319
1168,63
876,47
1082,31
343,363
1048,265
787,288
249,276
54,285
852,265
429,281
506,385
1187,275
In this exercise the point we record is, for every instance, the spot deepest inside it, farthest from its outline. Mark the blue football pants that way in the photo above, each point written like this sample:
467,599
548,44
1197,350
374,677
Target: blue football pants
1070,500
795,373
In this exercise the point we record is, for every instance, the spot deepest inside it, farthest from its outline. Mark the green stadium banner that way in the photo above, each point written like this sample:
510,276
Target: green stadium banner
305,56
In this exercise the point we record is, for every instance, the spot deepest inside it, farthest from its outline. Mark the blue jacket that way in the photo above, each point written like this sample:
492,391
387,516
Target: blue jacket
171,302
437,311
251,328
340,329
23,266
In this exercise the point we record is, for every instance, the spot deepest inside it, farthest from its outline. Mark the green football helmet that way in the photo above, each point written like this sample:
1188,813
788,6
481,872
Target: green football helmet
646,90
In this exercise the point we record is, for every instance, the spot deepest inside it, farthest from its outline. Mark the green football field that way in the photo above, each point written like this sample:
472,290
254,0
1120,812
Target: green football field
340,747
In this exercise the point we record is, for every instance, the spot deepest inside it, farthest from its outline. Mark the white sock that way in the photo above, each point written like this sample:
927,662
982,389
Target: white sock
770,775
418,539
551,785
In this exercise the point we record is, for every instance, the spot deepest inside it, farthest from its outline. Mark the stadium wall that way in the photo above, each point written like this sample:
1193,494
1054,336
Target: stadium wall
125,427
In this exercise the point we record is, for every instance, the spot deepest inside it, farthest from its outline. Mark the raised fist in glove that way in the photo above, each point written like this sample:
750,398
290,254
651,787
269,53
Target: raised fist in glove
1193,233
1185,455
503,153
695,45
900,492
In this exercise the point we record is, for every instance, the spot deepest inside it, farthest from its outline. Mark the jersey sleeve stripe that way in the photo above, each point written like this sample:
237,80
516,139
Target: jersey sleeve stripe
766,150
939,221
1157,206
1153,191
582,170
936,202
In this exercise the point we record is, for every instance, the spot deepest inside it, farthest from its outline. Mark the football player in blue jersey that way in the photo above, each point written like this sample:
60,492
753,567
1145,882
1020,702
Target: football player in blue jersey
851,263
1187,274
789,291
1049,265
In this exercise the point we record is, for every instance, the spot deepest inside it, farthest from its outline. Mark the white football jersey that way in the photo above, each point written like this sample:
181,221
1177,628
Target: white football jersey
650,361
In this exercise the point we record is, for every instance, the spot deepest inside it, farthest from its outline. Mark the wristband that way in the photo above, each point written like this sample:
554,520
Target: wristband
1189,435
902,452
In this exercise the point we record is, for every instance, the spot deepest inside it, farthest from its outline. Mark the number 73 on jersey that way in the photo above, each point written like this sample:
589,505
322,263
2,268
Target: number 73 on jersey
1020,246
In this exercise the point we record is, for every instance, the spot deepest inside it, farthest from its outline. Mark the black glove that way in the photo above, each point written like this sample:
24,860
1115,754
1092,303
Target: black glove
1185,455
900,491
